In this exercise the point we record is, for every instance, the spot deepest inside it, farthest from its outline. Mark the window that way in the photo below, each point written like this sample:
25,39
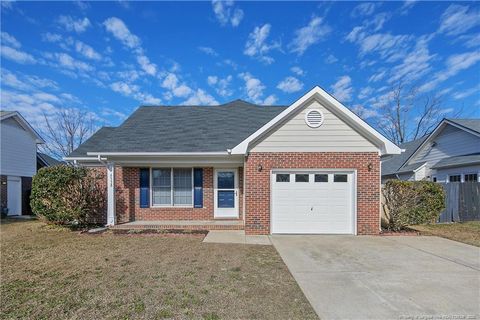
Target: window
340,178
434,179
471,177
283,177
172,187
301,177
321,178
455,178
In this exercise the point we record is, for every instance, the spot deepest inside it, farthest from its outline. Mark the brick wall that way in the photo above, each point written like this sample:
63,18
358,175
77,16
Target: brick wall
127,183
257,194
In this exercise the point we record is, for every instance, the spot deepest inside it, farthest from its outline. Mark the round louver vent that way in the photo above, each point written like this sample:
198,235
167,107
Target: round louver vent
314,118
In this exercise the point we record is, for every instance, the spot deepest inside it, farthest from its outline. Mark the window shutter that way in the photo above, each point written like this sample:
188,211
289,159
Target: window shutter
198,187
144,188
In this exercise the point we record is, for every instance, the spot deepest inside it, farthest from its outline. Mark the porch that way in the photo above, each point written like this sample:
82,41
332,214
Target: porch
181,224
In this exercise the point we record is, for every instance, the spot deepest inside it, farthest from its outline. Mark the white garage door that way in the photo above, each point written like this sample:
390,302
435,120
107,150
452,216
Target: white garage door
313,202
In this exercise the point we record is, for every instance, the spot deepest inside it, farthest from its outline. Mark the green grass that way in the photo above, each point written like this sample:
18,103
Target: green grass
53,273
466,232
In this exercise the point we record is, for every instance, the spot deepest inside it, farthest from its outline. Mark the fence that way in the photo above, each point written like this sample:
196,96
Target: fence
462,202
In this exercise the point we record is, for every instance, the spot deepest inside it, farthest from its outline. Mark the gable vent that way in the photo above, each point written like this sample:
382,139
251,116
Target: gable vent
314,118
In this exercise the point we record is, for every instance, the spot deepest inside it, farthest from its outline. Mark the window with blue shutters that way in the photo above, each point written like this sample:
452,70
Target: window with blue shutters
198,187
144,188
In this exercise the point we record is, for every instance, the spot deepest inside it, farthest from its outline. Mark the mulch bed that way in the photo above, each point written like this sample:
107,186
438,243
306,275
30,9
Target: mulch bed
408,232
165,233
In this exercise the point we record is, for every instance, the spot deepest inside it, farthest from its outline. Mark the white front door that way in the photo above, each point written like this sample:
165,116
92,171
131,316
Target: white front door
14,196
226,193
313,201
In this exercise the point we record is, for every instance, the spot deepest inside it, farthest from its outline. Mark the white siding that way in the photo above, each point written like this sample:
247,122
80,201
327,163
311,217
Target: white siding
333,135
18,150
450,142
442,174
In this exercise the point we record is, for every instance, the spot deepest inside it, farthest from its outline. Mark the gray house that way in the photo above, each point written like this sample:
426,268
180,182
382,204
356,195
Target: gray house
451,153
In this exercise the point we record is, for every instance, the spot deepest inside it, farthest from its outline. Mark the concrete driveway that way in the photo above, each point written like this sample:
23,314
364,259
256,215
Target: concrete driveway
368,277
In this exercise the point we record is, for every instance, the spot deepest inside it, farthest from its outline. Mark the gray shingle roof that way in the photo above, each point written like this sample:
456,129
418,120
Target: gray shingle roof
49,161
457,161
4,112
182,129
472,124
393,163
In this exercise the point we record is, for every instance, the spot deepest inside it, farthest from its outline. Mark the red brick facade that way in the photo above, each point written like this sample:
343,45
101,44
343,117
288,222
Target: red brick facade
127,183
257,195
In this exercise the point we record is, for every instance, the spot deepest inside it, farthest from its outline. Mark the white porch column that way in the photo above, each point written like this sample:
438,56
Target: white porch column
111,217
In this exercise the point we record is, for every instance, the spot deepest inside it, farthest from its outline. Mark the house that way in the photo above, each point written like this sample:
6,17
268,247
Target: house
311,167
18,161
451,153
44,160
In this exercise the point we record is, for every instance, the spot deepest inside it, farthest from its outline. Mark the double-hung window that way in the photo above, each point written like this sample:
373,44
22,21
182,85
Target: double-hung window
172,187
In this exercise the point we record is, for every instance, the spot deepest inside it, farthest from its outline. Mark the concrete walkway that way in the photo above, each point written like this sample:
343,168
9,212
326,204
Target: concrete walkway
368,277
235,236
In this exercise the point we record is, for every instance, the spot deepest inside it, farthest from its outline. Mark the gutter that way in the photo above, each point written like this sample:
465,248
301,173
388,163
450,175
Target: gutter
164,154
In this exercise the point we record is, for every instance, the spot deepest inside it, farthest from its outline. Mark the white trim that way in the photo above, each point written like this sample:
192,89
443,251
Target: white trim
217,214
351,171
111,199
385,145
311,125
171,205
165,154
422,166
24,123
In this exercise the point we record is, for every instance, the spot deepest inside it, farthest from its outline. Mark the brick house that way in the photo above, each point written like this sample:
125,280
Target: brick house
311,167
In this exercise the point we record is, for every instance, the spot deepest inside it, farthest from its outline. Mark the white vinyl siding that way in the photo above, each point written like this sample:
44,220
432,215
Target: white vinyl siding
442,174
334,135
172,187
19,150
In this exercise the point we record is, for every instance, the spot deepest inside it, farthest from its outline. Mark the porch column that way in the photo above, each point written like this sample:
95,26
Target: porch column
111,217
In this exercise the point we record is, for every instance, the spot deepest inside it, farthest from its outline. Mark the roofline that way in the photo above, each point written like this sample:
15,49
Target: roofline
24,123
435,132
166,154
387,147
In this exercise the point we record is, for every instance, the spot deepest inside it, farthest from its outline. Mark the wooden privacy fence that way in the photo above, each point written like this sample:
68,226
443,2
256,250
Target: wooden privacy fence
462,202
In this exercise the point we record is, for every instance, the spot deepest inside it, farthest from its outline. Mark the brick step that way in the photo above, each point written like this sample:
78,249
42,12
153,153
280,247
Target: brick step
182,225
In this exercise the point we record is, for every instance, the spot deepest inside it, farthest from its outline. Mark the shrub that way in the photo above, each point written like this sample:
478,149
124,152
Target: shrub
67,195
412,202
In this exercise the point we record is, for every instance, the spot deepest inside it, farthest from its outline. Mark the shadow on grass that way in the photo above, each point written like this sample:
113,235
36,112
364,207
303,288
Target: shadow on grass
20,219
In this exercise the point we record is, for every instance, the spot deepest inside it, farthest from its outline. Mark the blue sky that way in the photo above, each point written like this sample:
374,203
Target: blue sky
111,57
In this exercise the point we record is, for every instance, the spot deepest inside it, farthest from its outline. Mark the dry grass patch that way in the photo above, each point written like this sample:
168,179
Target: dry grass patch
466,232
53,273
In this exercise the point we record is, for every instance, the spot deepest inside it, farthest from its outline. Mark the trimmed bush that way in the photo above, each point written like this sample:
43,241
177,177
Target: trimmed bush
67,195
412,202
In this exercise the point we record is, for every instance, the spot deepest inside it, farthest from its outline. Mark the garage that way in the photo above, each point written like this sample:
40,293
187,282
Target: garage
313,202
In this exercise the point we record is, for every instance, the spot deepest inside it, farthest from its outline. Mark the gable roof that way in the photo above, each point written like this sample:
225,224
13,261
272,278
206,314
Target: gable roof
470,124
181,129
393,163
4,115
456,161
47,160
328,101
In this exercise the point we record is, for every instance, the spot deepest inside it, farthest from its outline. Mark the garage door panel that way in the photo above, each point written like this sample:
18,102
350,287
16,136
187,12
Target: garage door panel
313,207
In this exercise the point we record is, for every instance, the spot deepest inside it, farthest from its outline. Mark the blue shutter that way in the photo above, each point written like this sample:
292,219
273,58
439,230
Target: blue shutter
144,188
198,187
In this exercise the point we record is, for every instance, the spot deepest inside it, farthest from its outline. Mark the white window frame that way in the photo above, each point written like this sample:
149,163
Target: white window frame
455,174
463,178
171,205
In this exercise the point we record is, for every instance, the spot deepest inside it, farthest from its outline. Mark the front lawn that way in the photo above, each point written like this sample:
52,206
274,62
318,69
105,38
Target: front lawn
52,273
466,232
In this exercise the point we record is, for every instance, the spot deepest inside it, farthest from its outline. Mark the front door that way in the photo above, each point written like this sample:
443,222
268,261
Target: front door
226,193
14,196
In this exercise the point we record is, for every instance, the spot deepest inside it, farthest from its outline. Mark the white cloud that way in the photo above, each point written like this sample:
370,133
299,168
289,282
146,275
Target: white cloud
68,62
9,40
270,100
257,45
342,89
87,51
146,65
378,76
120,31
364,113
133,91
177,89
364,9
16,55
414,65
457,19
253,87
200,97
472,40
297,70
466,93
71,24
220,85
290,84
406,6
209,51
454,64
306,36
24,82
365,93
331,59
227,13
51,37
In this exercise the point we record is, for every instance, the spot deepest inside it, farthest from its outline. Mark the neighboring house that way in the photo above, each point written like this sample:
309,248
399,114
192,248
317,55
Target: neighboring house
44,160
311,167
451,153
18,161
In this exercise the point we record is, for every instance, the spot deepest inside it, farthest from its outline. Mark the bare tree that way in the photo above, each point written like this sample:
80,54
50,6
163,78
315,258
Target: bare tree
406,114
66,129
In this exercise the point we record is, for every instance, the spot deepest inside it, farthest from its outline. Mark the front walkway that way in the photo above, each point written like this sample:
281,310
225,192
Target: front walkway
232,236
373,277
